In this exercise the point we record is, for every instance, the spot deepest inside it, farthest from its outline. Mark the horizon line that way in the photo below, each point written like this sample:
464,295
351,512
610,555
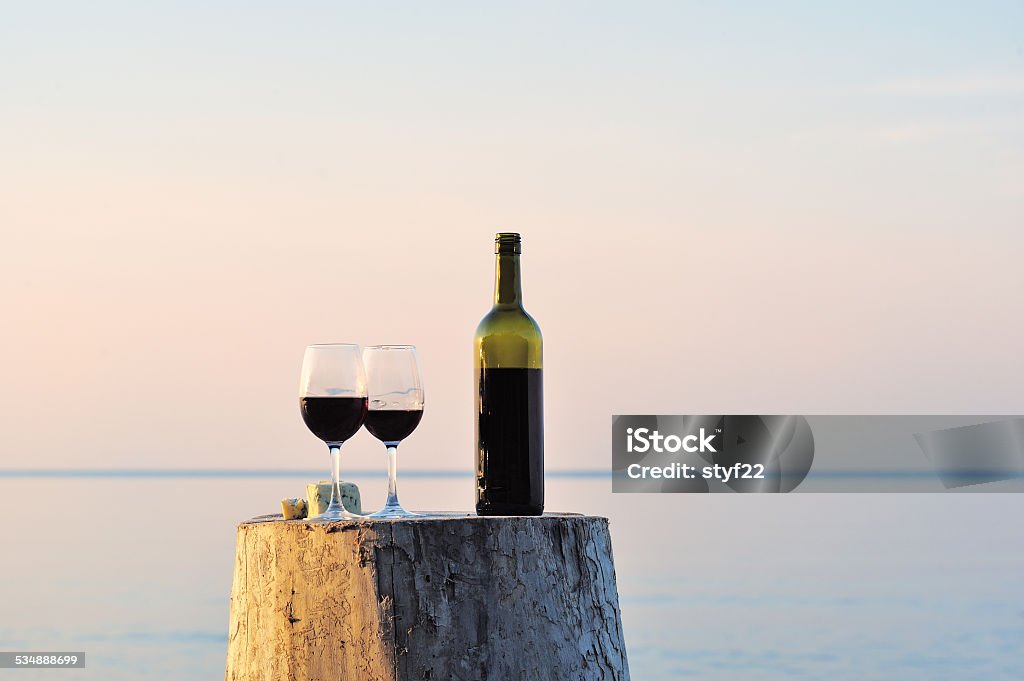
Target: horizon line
256,473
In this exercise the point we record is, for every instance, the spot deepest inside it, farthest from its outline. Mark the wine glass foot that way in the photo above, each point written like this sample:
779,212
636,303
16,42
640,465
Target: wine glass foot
394,512
338,512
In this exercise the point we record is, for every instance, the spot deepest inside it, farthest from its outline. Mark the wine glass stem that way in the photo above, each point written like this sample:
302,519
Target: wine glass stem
392,475
335,476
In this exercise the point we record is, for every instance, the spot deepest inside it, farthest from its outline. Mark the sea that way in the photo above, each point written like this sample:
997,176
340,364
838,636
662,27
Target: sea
134,567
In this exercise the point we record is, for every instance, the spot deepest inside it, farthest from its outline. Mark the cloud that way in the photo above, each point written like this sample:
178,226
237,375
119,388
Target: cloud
927,131
912,131
977,85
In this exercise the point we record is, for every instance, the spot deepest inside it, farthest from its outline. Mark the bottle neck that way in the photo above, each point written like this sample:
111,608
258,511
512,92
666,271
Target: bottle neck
508,287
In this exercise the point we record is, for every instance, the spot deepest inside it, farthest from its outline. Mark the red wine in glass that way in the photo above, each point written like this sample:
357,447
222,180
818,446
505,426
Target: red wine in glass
333,419
396,407
392,425
333,402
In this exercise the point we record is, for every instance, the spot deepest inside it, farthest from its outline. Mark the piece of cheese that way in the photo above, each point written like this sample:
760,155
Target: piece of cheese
293,509
318,496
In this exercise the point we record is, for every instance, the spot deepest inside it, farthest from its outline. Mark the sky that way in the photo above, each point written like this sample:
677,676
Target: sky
731,209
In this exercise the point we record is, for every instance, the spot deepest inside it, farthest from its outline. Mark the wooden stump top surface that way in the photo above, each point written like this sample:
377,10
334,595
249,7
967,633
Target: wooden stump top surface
427,518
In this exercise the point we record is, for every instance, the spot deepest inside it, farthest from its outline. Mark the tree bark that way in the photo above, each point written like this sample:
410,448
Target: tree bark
465,598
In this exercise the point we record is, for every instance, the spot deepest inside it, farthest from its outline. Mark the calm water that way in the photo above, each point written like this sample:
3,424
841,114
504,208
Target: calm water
137,573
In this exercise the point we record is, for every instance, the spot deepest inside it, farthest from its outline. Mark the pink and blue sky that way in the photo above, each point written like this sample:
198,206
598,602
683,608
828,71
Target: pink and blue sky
740,208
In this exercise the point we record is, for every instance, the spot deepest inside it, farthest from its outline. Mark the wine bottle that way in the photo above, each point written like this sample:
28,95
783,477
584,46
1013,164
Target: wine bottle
509,398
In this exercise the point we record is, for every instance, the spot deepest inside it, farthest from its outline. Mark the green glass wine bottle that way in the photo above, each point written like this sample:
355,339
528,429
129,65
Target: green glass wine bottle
507,358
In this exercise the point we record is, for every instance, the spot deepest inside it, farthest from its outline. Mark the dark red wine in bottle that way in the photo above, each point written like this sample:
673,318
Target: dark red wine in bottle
333,419
509,401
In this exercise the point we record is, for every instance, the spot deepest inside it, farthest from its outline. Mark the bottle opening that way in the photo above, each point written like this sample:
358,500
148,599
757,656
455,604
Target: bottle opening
508,243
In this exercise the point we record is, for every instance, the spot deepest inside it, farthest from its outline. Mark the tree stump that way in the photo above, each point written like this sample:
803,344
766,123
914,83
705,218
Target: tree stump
466,598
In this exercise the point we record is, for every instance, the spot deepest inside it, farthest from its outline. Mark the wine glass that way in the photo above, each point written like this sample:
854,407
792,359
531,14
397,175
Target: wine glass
396,407
332,397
